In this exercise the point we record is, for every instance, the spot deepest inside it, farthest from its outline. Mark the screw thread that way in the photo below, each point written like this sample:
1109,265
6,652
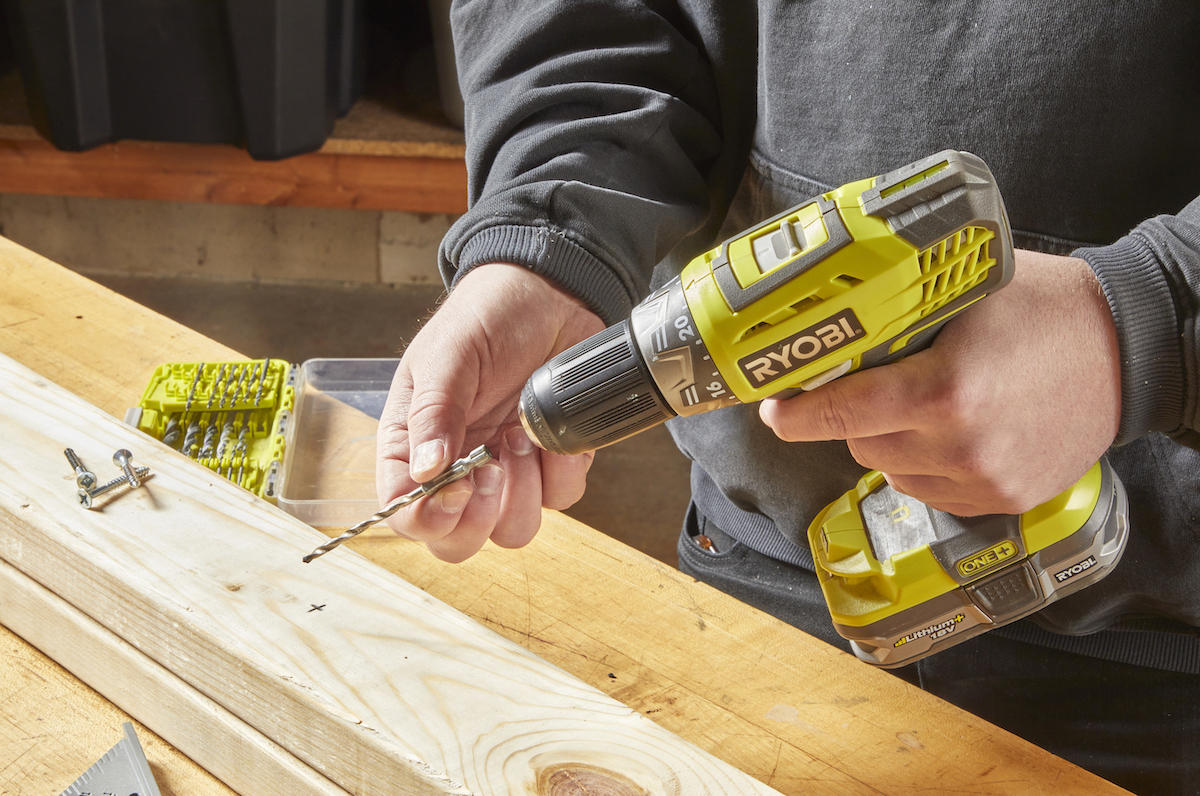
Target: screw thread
140,472
73,459
123,459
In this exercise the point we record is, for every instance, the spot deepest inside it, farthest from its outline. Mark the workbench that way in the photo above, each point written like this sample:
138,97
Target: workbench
770,700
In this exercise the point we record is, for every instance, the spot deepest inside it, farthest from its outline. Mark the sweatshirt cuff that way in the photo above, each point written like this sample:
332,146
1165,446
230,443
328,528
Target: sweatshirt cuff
549,253
1147,333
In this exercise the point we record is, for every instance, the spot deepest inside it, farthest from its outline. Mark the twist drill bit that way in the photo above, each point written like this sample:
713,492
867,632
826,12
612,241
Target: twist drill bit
459,469
244,389
216,385
232,387
208,446
171,432
227,431
262,381
187,405
240,451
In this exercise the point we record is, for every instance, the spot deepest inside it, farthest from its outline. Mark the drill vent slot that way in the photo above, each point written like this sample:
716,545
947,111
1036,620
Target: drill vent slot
953,266
807,303
837,285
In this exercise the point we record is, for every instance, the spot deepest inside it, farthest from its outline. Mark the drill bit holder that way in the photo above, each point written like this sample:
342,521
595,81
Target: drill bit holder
232,417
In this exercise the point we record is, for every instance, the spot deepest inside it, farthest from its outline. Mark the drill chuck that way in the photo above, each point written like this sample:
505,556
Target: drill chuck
629,377
592,395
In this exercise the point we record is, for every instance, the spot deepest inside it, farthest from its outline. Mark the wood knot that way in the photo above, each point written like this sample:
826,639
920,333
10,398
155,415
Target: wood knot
581,780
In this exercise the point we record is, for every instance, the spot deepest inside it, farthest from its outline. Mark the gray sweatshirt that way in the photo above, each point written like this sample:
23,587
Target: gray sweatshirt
608,142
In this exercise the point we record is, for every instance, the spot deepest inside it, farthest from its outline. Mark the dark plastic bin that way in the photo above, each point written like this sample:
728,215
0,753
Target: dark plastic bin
270,75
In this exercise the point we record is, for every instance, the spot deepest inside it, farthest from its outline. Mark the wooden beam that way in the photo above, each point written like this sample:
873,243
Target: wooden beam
354,175
250,763
358,674
763,696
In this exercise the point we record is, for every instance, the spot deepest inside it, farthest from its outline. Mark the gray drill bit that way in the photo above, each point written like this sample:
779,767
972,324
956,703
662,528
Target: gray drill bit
226,438
191,439
234,385
216,384
460,468
171,432
187,405
262,381
244,389
208,446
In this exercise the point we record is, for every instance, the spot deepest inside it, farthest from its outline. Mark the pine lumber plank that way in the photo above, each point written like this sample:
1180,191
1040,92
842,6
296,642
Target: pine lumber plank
763,696
248,762
364,677
43,750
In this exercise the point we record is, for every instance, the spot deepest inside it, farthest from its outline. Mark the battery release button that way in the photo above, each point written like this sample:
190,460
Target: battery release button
1011,592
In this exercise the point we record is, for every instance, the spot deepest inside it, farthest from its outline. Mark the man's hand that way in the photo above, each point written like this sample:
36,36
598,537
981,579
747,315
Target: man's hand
1015,400
457,387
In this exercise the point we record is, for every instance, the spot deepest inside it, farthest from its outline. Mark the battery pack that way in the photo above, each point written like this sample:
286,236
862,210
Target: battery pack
904,581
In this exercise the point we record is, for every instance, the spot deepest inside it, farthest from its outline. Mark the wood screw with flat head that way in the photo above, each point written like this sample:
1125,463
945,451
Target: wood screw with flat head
124,460
88,496
84,478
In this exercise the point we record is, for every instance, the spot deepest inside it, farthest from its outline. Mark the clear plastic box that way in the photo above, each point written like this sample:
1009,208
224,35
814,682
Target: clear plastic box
328,474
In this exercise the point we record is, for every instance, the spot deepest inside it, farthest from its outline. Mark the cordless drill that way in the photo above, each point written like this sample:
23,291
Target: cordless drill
851,279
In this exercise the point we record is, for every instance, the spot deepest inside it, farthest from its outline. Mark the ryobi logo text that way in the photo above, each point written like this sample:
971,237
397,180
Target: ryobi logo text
1078,569
781,358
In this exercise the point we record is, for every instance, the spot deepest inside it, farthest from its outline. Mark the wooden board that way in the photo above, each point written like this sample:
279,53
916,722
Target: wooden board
339,178
761,695
363,677
249,763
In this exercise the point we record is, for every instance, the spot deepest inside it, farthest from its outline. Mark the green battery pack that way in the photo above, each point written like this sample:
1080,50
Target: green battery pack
231,417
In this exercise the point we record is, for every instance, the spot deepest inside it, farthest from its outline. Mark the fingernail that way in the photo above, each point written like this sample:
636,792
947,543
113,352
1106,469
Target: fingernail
518,441
426,458
453,501
489,479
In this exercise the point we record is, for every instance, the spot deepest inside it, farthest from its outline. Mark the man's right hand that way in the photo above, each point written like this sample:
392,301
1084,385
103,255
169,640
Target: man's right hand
457,387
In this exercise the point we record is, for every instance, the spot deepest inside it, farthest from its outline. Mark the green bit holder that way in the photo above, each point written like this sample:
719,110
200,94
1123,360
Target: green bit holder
231,417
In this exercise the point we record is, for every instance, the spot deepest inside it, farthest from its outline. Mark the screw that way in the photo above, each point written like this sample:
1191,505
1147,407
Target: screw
86,496
124,459
84,478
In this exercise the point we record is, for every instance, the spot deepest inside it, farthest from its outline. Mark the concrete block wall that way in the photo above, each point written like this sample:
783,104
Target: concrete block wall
227,242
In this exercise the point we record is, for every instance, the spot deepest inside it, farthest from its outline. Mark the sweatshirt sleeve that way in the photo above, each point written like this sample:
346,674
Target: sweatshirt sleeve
600,134
1151,278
